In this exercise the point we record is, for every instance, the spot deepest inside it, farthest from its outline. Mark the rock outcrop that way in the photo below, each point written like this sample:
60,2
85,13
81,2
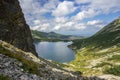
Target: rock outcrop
13,28
13,68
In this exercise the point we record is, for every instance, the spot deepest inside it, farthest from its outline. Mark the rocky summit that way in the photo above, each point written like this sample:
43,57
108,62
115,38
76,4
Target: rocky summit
13,28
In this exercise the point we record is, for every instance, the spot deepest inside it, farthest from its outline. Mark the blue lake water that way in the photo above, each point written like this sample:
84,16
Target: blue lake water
57,51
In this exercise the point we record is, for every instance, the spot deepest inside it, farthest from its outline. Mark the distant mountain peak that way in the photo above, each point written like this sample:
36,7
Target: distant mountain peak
51,32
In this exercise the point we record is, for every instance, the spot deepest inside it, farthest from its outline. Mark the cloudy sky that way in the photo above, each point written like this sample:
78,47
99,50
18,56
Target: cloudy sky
77,17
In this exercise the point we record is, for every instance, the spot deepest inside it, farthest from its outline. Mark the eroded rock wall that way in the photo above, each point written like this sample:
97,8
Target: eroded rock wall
13,28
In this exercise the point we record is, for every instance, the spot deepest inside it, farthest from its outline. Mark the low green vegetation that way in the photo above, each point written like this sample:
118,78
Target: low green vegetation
103,64
113,70
95,62
2,77
59,64
83,63
115,58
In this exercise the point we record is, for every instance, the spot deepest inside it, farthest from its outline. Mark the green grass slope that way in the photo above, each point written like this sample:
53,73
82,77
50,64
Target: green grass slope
99,54
2,77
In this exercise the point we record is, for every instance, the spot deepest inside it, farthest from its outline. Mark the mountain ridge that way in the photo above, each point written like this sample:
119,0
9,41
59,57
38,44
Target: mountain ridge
52,36
103,38
99,54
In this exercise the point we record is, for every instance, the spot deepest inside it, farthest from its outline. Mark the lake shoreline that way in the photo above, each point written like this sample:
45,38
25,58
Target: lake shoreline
56,51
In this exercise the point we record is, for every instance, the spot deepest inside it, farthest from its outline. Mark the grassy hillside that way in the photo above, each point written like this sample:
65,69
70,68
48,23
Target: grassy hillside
107,37
2,77
99,54
52,36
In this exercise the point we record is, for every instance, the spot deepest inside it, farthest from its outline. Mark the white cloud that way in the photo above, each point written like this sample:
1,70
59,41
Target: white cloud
35,10
80,26
96,7
63,9
69,26
49,6
35,27
36,22
30,5
96,23
82,1
57,27
61,19
105,6
85,14
42,27
45,27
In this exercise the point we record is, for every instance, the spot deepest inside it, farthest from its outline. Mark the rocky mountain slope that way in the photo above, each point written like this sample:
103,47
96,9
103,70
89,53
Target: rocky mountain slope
52,36
16,64
99,54
13,28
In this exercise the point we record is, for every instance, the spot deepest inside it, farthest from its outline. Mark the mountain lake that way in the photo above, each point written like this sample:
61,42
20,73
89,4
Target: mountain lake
56,51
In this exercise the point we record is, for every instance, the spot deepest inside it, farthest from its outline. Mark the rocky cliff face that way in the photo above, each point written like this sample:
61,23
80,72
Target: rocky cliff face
13,28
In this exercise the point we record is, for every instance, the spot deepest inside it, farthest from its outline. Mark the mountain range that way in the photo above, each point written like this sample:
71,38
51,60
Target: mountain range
52,36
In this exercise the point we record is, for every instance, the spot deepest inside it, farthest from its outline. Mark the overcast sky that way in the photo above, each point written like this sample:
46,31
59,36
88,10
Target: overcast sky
78,17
